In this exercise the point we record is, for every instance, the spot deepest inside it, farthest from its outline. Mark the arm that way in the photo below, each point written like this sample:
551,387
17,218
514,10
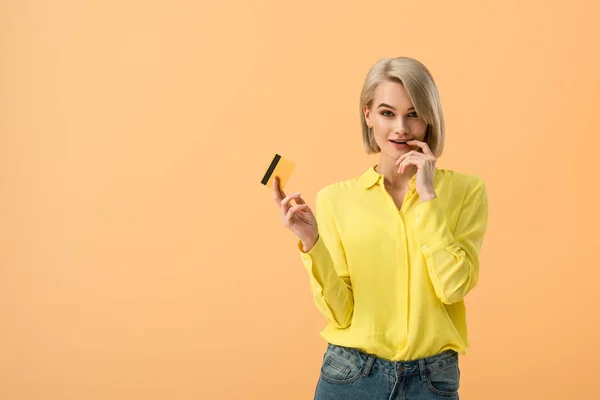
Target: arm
328,270
452,259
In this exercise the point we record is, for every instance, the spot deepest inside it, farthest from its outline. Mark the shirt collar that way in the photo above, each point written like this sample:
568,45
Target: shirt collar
370,177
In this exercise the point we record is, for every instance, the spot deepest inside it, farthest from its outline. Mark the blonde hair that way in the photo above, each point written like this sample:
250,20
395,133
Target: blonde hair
422,90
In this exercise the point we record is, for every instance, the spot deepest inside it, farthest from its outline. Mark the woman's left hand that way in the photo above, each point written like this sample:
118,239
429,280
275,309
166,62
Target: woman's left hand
425,163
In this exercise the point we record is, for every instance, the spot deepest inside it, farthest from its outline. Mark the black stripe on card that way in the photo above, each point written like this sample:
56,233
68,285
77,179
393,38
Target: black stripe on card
271,169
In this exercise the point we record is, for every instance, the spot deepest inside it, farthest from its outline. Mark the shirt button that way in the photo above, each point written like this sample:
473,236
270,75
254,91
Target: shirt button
306,261
425,246
418,215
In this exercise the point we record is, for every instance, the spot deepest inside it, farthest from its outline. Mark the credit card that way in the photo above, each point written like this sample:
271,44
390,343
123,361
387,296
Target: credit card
279,167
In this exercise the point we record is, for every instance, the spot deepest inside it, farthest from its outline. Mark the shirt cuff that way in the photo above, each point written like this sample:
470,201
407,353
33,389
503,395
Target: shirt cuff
317,256
431,227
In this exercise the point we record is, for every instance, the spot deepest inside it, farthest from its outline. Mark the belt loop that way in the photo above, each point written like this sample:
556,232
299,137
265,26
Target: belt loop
368,365
422,369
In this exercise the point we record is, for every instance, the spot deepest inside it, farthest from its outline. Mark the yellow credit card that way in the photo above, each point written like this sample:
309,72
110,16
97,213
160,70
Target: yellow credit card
281,168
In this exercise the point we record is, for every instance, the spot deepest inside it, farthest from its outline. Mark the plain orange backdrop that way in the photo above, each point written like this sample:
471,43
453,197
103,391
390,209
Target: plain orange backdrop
140,258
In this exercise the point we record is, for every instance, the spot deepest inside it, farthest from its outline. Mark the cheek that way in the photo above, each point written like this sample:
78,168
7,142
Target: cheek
419,127
382,123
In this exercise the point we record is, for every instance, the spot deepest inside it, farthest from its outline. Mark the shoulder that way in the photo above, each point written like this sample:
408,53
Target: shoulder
334,191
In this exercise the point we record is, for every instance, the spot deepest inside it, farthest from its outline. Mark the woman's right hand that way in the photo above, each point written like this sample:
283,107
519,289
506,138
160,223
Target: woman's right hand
298,218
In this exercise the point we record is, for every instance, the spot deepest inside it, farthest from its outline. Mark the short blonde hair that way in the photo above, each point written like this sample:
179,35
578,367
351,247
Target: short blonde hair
422,90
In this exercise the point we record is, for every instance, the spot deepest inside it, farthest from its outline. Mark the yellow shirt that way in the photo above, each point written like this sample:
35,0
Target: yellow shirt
392,282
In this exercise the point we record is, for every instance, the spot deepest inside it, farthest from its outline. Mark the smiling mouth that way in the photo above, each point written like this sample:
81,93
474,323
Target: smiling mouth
398,142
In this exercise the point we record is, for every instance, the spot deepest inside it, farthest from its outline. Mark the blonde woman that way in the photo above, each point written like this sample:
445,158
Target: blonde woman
391,254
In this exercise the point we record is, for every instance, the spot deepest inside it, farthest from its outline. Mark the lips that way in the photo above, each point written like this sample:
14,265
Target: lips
399,146
399,141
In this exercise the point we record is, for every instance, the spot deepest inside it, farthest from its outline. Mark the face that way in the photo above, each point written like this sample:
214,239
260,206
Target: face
393,118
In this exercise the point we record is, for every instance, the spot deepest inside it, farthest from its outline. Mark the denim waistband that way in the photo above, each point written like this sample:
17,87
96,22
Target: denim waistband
395,368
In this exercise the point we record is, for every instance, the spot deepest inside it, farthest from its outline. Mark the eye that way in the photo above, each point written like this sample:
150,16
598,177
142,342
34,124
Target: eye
413,114
389,113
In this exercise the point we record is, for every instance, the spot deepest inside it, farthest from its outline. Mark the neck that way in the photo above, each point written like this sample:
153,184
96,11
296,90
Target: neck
392,178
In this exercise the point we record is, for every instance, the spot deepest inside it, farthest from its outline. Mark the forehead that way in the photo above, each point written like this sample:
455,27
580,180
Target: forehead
392,93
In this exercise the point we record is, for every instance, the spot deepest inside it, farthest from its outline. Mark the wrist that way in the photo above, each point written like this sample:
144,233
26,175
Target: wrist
428,196
308,244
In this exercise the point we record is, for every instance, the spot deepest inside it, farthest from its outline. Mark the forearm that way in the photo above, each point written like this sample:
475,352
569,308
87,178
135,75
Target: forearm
332,292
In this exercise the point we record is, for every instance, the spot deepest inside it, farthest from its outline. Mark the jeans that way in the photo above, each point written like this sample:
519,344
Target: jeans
351,374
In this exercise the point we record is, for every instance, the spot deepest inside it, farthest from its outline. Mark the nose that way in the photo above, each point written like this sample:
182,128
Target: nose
400,126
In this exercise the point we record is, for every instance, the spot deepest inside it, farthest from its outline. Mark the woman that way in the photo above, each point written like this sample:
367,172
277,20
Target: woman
392,253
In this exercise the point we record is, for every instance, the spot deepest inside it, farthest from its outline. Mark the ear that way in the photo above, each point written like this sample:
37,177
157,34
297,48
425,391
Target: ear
367,113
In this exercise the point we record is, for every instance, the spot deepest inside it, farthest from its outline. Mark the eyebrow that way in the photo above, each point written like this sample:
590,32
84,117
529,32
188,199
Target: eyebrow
393,108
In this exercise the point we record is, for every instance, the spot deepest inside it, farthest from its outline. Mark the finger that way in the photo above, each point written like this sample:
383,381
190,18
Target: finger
408,161
289,198
285,203
414,155
300,200
400,170
278,194
417,162
295,209
403,156
422,145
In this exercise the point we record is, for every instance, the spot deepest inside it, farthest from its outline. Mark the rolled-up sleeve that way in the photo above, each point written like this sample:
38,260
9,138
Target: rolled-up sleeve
452,256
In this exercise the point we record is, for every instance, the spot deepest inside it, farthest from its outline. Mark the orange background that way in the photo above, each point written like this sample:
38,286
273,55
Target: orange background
142,259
